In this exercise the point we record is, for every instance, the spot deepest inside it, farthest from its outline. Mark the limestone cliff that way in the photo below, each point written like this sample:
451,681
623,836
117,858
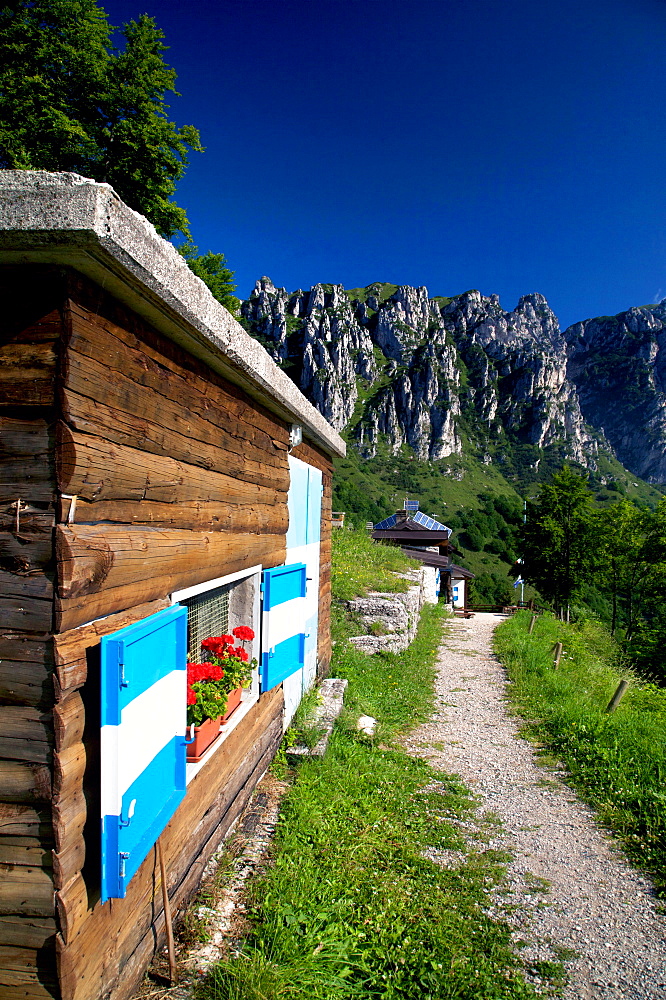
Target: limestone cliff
618,364
397,367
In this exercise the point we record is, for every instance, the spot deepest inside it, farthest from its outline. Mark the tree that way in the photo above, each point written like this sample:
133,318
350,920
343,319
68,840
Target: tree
559,538
70,101
212,269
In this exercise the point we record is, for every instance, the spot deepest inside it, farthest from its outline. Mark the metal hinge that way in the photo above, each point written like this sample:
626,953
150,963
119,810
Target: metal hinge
124,856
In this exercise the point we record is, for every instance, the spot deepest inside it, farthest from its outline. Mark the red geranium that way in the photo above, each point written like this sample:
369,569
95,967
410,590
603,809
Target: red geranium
243,632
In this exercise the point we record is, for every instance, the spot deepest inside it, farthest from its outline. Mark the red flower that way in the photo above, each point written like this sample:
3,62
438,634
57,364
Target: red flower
191,695
241,654
244,633
214,672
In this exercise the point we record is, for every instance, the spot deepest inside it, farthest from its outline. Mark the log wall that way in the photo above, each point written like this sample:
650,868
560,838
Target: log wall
30,341
128,470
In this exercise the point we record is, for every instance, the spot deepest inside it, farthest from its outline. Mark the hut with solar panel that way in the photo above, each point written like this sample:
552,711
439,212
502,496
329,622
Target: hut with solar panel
165,563
425,538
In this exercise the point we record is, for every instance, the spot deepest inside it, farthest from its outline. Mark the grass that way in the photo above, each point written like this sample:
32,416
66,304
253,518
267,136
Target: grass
352,905
360,565
616,761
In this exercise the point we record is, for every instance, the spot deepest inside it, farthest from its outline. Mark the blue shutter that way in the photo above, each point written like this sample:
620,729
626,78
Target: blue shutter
144,685
283,626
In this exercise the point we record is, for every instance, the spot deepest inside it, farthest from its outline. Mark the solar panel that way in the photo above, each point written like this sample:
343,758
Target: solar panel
411,505
388,522
429,523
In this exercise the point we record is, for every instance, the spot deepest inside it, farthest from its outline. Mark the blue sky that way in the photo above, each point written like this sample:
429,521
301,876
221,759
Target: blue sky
511,146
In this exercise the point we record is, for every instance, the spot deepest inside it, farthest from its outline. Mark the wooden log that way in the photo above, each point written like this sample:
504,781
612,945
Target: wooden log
105,569
255,519
19,820
25,648
69,862
22,851
26,734
36,585
30,990
25,553
27,891
97,418
70,646
26,932
29,970
95,558
69,819
68,769
69,720
30,614
95,468
31,480
27,374
26,683
159,363
21,782
72,906
180,416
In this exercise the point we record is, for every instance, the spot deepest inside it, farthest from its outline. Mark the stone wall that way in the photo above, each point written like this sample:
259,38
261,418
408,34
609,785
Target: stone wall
391,620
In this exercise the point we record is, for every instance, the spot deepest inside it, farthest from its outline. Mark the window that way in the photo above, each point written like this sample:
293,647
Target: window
215,608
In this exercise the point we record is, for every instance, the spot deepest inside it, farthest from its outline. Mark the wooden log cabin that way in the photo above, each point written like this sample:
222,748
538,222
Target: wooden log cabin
156,468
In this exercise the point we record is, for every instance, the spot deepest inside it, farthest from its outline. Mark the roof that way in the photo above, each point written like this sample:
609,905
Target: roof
63,218
429,523
461,572
427,558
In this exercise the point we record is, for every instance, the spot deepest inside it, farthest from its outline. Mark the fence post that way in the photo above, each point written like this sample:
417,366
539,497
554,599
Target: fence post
557,649
531,628
617,697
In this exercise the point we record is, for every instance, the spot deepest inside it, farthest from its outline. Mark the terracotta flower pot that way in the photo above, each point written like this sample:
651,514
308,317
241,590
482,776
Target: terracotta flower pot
233,701
204,735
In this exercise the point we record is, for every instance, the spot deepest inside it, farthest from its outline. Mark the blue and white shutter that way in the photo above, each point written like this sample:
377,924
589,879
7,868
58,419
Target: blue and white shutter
283,634
144,694
303,545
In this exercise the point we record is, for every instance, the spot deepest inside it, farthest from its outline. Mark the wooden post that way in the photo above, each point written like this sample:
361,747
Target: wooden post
618,696
531,628
557,649
171,948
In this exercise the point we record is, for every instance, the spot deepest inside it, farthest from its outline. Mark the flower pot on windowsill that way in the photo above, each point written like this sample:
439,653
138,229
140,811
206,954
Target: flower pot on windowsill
202,736
233,701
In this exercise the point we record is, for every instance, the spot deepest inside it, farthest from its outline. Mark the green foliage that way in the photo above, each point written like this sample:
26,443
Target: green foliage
352,906
213,271
70,101
360,565
490,588
617,761
559,537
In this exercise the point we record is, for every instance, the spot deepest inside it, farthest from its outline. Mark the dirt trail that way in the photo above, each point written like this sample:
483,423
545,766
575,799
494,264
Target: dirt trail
596,907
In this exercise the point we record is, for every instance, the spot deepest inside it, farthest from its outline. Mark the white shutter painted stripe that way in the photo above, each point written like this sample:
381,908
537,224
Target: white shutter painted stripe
147,725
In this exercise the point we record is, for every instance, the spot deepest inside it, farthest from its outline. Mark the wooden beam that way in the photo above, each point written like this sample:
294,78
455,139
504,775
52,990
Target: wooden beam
105,569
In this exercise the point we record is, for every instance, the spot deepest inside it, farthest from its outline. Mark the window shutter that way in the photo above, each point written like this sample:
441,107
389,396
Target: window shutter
283,623
144,691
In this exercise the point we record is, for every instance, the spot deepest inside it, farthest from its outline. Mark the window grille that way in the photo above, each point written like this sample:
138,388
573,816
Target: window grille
207,615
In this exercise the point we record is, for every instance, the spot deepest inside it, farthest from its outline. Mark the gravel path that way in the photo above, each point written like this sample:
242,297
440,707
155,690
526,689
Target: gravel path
571,892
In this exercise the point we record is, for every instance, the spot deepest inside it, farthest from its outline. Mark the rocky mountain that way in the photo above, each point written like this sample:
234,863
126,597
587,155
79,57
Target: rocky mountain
396,367
618,364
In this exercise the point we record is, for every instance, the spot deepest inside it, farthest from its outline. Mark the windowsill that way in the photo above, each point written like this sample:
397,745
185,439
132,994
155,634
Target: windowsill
250,698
